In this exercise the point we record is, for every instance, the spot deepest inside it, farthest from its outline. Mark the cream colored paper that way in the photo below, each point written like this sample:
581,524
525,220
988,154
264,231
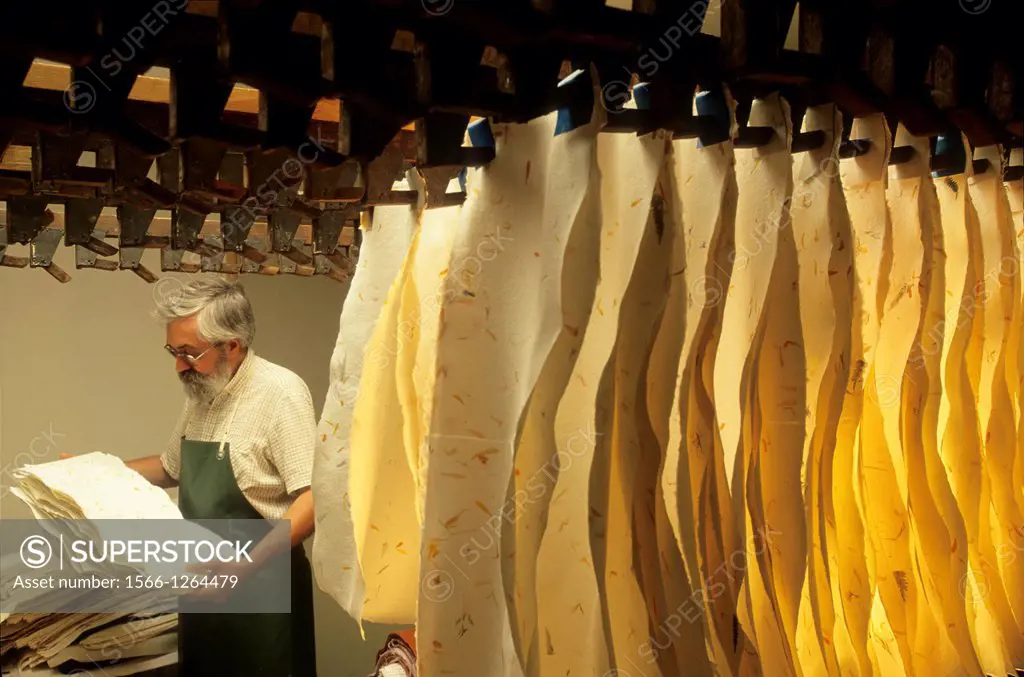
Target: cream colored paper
571,610
959,438
539,457
705,522
503,321
335,563
774,474
629,522
423,296
992,624
1001,298
155,646
95,486
821,230
1015,197
864,180
1014,205
884,475
382,486
942,641
999,517
764,179
696,187
944,545
663,573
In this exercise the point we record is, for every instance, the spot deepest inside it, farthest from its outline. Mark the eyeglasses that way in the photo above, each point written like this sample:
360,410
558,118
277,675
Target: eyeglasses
191,359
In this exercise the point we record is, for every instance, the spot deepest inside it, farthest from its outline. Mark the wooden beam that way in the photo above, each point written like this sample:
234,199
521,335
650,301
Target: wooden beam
155,87
161,227
18,158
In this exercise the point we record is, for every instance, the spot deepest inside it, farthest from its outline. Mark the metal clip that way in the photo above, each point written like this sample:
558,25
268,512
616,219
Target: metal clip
282,224
286,263
42,249
213,263
306,270
256,258
135,223
87,256
5,260
174,260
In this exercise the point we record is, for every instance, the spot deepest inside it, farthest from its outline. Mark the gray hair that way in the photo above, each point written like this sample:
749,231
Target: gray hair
222,310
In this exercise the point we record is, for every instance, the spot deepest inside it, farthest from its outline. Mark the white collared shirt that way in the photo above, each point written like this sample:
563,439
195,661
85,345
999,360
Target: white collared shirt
272,434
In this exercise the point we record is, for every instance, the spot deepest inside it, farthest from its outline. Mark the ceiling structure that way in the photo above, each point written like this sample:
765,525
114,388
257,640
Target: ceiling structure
141,123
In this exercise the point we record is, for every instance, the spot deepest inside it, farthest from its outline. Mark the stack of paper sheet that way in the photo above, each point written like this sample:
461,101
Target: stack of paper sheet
95,486
132,666
124,643
92,486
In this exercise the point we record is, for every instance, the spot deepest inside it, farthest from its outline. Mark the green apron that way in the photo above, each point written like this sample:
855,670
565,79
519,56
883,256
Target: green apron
219,645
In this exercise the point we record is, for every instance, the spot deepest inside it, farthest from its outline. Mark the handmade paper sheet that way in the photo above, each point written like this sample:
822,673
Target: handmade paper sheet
944,634
942,637
704,526
570,577
382,484
1015,222
422,299
864,181
1015,197
381,254
764,179
821,230
502,320
628,506
1001,299
539,458
989,614
884,475
989,240
682,638
663,573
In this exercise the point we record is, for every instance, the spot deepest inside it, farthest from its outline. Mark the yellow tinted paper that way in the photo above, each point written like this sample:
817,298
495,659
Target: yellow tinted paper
381,254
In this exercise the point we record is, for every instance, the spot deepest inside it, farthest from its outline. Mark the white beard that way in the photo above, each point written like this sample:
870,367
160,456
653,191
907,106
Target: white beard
203,388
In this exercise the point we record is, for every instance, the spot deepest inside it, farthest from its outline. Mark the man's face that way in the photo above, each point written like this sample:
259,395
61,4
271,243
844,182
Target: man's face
205,377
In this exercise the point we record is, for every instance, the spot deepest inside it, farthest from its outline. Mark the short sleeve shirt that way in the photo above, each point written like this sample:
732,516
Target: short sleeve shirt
266,415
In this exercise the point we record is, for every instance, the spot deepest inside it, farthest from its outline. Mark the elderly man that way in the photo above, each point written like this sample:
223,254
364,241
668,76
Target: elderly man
242,449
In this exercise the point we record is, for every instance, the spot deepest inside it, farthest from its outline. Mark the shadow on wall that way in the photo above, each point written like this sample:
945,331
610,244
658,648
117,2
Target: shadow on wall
82,368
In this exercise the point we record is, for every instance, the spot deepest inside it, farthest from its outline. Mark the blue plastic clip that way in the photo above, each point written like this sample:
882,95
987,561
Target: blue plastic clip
642,96
480,136
711,104
949,156
574,115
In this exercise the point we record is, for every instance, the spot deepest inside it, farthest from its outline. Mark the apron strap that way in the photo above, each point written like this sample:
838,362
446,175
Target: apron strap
227,429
